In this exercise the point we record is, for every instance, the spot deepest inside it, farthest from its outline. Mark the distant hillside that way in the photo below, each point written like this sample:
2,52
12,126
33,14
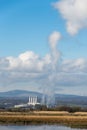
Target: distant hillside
25,93
21,96
71,100
19,93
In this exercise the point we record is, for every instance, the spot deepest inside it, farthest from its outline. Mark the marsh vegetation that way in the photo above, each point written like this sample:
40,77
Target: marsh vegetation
78,119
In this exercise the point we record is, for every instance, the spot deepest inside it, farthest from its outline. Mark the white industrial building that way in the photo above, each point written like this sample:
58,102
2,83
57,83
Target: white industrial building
32,102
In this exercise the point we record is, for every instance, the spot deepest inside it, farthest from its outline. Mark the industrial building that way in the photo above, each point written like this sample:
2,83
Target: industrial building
32,102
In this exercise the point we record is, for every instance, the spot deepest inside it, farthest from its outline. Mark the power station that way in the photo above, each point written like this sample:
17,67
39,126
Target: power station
32,102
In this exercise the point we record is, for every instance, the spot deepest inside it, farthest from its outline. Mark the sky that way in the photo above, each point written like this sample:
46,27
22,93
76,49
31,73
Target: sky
43,46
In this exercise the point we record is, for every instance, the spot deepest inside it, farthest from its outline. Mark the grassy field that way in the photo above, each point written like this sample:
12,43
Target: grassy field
78,119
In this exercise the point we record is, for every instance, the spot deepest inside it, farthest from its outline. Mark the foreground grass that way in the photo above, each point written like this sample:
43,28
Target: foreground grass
44,117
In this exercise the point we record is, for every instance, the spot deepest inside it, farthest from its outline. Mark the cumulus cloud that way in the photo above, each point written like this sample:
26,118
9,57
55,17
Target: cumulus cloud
29,68
75,66
27,61
43,72
20,69
74,12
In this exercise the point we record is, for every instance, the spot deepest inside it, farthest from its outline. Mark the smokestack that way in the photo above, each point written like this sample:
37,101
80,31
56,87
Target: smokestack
34,100
29,99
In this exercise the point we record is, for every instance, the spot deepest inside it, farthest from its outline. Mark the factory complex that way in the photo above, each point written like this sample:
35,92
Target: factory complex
33,101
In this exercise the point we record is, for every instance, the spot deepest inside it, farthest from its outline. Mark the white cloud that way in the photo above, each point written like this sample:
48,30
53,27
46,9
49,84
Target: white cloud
75,14
29,69
29,55
75,66
38,72
27,61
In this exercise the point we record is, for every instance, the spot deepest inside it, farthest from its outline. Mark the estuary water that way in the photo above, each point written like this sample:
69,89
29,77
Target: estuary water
42,127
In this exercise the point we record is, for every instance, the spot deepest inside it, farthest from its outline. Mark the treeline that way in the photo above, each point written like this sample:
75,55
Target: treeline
70,109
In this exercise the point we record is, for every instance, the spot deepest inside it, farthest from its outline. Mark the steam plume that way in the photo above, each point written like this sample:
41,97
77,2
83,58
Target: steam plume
55,54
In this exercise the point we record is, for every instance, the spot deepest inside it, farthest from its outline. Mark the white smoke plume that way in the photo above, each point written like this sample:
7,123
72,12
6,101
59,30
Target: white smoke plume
55,57
55,54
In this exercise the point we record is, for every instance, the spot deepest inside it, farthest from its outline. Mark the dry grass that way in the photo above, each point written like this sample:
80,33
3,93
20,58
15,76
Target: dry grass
48,113
81,113
76,119
51,113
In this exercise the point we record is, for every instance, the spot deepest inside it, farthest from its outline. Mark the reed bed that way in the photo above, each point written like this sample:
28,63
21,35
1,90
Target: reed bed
48,113
34,118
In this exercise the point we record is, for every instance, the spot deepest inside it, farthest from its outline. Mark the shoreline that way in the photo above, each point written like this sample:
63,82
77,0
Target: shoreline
74,120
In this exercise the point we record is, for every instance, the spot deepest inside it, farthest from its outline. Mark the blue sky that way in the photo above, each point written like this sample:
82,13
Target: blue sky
26,26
